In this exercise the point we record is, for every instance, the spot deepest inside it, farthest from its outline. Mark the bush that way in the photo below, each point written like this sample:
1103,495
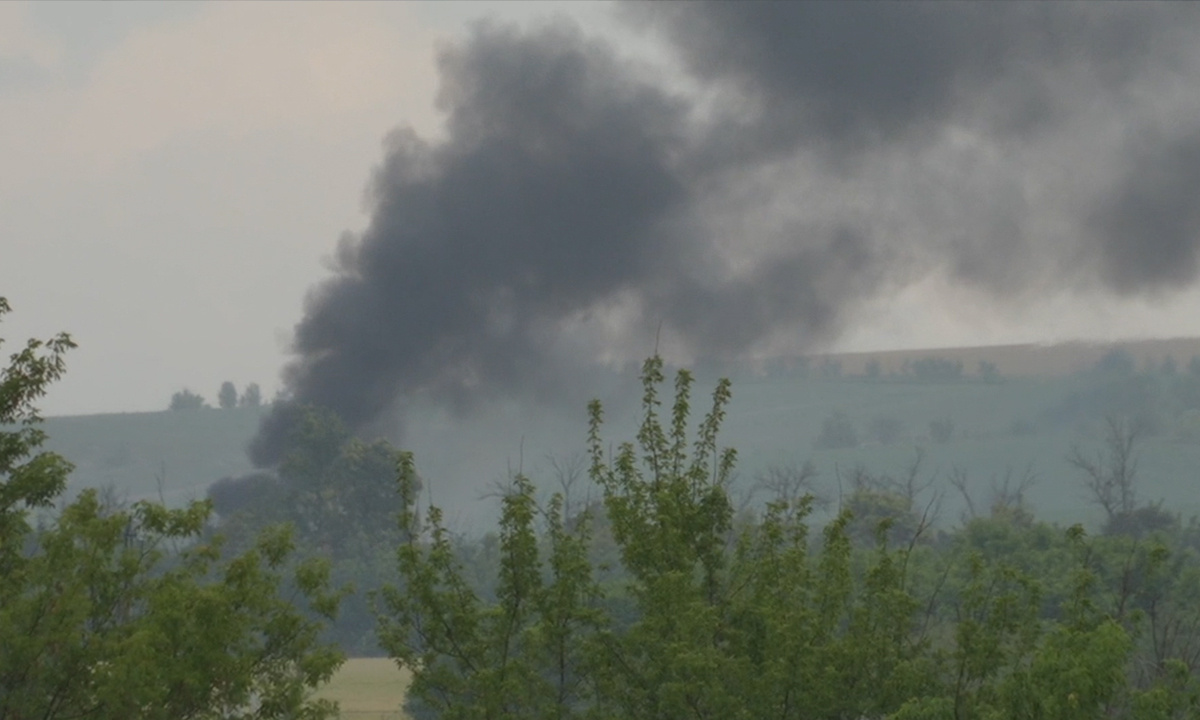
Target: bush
837,432
251,396
227,397
885,429
186,400
988,372
132,612
935,369
941,431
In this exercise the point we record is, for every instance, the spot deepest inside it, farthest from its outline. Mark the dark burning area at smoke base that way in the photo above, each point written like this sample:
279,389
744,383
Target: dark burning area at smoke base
821,155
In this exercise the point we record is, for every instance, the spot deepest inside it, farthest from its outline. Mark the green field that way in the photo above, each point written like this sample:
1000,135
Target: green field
368,689
773,420
996,428
130,452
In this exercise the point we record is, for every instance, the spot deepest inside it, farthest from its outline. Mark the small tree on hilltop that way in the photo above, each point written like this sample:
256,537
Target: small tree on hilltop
837,432
227,398
251,396
186,400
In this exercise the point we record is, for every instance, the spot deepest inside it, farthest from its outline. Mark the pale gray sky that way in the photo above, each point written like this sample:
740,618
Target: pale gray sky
175,176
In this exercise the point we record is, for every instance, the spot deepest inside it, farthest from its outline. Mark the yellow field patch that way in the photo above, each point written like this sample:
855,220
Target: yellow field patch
368,689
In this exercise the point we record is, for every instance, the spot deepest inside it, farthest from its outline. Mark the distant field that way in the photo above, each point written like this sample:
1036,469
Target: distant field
1029,359
774,419
996,428
188,449
368,689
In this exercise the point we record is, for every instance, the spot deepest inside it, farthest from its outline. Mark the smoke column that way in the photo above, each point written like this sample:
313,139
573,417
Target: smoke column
817,156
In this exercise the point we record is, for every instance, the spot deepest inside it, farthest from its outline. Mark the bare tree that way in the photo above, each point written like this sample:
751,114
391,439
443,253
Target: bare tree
876,498
1008,493
959,481
788,484
568,472
1110,474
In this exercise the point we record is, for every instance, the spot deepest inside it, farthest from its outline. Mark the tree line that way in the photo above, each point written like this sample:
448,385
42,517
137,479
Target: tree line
650,593
227,398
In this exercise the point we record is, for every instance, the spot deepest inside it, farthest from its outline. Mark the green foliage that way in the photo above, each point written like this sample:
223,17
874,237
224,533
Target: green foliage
886,429
708,617
108,612
936,369
523,655
941,430
251,396
837,432
227,397
716,622
186,400
31,479
338,492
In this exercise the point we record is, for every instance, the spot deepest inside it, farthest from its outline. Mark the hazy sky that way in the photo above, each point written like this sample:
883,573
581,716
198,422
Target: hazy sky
175,176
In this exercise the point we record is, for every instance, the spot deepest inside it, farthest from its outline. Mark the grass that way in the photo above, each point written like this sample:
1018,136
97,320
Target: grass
771,421
189,450
368,689
776,422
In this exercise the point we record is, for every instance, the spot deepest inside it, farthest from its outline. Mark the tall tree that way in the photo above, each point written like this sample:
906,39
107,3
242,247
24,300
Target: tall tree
186,400
711,623
251,396
108,613
227,397
709,615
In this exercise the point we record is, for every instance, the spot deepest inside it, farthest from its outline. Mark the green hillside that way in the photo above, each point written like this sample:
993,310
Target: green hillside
997,428
988,429
131,451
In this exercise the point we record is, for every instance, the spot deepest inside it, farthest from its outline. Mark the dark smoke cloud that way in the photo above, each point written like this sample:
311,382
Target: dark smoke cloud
834,152
549,196
856,74
1149,228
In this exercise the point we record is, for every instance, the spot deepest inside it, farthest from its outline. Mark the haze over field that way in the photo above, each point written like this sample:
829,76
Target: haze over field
569,182
608,359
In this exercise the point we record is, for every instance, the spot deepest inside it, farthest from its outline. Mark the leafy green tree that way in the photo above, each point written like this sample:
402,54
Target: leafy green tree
339,493
109,612
338,490
886,429
837,432
889,505
251,396
708,622
186,400
936,369
941,430
708,617
227,397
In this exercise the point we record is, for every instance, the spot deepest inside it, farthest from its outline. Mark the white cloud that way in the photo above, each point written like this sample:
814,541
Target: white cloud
234,69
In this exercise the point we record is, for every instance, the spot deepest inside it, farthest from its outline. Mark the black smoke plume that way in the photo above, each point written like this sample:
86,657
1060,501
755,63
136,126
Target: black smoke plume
805,158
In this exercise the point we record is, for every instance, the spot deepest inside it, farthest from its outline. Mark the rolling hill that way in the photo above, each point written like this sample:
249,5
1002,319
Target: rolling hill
1029,420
